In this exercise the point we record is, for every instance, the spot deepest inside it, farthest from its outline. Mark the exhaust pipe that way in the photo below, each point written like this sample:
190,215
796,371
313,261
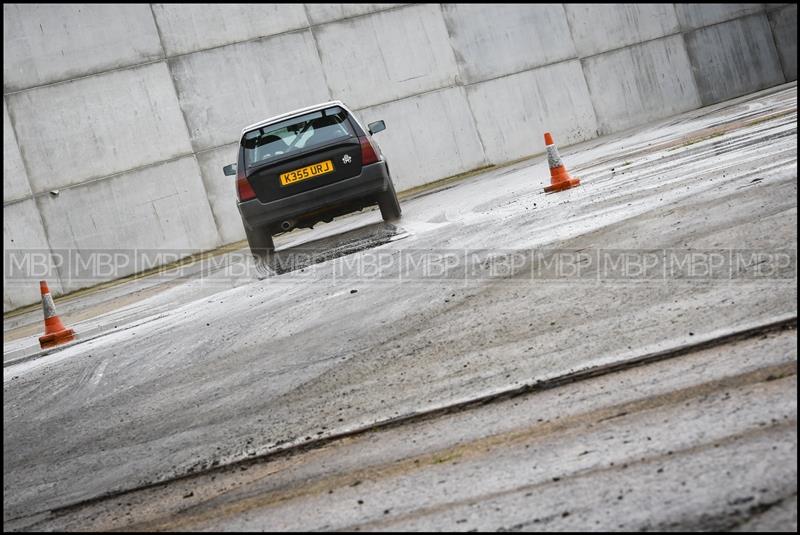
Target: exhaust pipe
288,224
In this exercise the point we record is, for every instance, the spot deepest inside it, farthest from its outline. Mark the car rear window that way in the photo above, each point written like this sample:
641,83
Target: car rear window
273,142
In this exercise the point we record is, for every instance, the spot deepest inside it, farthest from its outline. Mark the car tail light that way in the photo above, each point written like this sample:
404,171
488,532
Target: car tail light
368,154
244,191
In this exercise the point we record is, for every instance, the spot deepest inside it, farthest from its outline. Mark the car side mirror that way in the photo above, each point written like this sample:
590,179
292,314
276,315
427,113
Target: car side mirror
229,169
376,127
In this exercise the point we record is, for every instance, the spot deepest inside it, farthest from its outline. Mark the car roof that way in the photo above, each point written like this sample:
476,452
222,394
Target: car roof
300,111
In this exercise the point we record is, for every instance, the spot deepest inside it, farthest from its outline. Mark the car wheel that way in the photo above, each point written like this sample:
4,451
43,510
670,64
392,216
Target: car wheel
260,241
389,205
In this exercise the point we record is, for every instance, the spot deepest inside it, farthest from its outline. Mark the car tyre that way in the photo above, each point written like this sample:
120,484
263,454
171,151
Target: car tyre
260,240
389,205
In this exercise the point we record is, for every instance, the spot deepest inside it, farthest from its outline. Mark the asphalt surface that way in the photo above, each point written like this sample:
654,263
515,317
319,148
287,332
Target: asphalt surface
256,367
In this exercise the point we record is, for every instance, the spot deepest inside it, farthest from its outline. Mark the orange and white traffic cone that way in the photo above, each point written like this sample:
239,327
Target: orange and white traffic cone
54,331
560,179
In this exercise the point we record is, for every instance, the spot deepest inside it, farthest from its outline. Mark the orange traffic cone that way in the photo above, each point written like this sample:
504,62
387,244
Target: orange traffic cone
560,179
54,331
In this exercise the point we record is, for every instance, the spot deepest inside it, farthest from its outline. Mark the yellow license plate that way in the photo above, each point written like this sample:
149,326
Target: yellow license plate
305,173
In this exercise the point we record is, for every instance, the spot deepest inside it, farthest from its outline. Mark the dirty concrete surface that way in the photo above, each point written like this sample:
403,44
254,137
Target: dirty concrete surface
256,367
642,448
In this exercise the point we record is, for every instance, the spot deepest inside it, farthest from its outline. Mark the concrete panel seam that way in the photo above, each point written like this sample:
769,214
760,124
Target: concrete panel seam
508,75
456,55
83,77
746,16
775,43
316,49
11,202
183,113
677,18
692,66
772,8
172,79
360,16
214,218
683,29
583,72
50,247
244,41
12,123
215,147
529,69
32,196
113,175
15,200
158,32
477,130
459,82
647,41
414,95
772,19
186,125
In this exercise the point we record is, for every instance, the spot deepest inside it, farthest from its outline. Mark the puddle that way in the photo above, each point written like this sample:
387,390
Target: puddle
330,247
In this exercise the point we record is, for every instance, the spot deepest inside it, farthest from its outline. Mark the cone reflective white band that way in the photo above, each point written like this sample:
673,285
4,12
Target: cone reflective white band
553,159
48,306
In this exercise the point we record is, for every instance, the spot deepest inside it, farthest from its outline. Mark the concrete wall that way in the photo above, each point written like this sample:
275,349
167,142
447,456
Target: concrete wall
130,111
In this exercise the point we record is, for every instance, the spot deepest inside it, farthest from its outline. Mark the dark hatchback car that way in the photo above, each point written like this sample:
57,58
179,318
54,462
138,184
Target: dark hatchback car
307,166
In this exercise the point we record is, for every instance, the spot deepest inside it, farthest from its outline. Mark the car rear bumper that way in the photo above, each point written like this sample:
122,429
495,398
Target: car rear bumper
373,179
